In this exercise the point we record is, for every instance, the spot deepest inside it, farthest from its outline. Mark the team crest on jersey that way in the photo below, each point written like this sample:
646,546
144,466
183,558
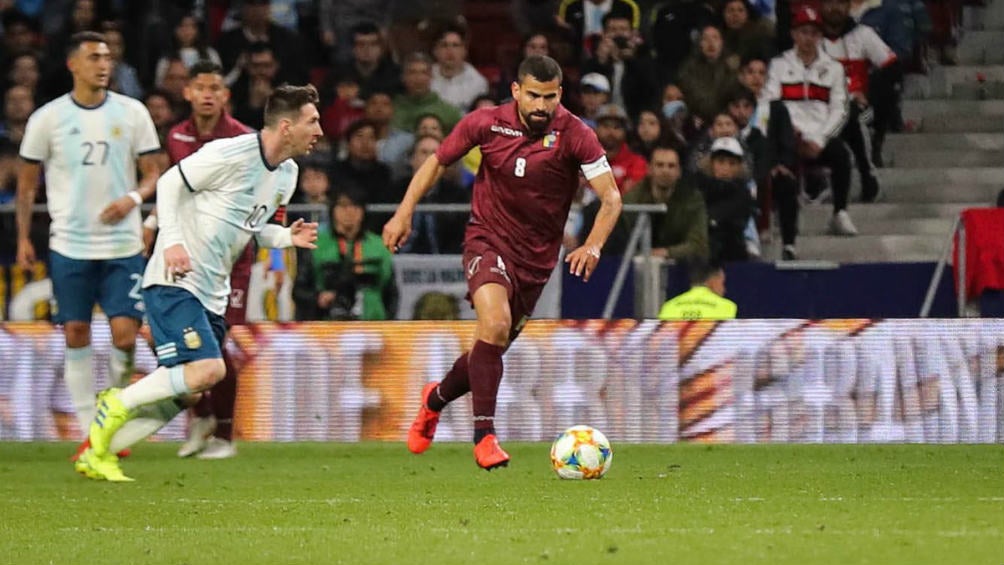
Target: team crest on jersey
116,132
191,338
551,139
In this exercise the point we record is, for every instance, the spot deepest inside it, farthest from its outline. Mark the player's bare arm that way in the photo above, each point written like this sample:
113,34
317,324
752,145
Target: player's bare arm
582,261
150,169
28,175
397,230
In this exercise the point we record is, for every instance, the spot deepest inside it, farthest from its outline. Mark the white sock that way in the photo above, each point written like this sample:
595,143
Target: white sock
161,384
148,420
120,366
79,376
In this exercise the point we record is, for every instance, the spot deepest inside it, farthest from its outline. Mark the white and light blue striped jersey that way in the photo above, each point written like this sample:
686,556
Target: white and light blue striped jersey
229,195
89,155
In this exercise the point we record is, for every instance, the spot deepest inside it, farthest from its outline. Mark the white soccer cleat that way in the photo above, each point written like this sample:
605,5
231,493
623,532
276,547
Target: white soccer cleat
199,431
217,448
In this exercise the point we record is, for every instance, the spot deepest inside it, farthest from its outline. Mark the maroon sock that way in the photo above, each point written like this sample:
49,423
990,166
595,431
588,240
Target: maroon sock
203,406
223,397
485,375
455,384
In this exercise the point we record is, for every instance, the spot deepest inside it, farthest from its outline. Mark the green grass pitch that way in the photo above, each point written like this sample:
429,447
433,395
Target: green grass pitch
376,503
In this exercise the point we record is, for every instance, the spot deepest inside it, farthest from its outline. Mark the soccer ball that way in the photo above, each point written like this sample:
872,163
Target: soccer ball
581,452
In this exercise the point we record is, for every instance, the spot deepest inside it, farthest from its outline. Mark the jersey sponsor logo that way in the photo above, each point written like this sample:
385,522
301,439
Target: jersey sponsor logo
236,298
192,339
183,137
506,131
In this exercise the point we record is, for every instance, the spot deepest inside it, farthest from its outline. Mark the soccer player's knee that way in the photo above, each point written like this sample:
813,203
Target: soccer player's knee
77,334
497,329
124,342
207,372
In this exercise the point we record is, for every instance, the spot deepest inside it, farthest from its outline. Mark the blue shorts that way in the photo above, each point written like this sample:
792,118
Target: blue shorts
183,330
79,284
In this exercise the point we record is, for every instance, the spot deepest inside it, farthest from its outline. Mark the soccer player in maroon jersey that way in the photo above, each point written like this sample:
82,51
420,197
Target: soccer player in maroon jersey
533,150
211,431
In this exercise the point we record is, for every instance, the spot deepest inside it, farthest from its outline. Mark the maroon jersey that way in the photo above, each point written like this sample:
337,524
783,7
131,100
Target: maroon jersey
184,138
526,182
182,141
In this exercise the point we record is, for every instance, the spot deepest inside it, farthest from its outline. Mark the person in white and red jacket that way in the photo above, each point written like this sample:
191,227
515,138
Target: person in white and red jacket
814,90
860,50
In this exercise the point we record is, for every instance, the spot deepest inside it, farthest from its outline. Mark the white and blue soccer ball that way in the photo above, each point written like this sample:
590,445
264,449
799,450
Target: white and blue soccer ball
580,453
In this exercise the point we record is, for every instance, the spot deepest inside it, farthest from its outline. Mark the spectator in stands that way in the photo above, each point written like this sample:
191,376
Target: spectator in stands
584,20
314,189
753,73
350,275
769,137
83,17
814,89
257,27
360,171
594,91
24,70
430,124
188,46
370,64
418,97
124,78
858,48
886,17
346,108
745,32
258,79
648,134
533,44
434,233
20,35
727,199
723,125
454,79
414,23
173,83
674,24
163,113
706,298
682,232
706,77
18,104
629,168
393,145
340,22
622,57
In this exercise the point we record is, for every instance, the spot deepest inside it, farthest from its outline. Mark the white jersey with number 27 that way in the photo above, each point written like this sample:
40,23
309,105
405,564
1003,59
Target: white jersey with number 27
89,156
229,195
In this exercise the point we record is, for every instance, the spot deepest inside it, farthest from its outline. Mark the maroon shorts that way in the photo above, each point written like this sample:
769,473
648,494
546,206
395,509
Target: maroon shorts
240,278
483,264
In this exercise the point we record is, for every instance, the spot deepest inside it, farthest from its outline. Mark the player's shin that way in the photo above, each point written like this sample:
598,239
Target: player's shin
148,420
79,376
162,384
121,365
455,384
223,397
485,369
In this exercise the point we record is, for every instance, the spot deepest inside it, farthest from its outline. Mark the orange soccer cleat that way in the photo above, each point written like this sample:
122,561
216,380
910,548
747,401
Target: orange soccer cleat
489,454
86,444
424,427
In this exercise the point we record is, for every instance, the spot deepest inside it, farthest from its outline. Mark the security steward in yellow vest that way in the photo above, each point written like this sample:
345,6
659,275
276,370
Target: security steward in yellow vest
704,301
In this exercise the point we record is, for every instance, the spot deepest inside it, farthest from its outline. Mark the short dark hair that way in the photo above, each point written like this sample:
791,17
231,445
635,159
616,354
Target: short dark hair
452,28
364,27
701,269
422,117
81,37
742,93
666,146
611,15
205,67
753,56
357,125
420,139
286,101
540,67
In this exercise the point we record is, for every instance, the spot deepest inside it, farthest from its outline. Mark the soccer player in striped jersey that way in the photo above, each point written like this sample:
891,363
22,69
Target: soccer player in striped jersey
209,206
90,143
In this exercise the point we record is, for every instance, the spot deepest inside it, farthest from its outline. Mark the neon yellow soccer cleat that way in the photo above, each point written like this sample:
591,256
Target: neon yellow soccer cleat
111,415
99,468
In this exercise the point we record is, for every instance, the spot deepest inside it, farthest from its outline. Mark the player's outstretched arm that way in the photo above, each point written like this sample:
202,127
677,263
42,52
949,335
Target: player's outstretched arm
398,228
299,234
303,234
582,261
28,175
150,169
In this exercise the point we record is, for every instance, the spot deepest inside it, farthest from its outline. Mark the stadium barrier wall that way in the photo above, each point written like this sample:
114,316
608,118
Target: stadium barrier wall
744,381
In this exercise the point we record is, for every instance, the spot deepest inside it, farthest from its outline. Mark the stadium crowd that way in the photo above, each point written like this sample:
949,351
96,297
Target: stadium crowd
725,110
